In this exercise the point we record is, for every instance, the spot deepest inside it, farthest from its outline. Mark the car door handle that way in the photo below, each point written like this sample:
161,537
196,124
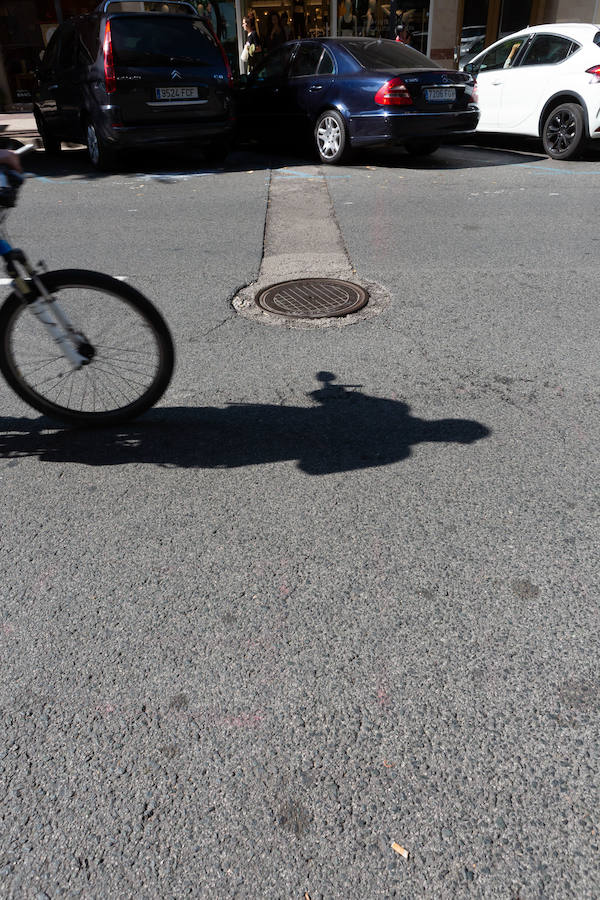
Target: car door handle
315,87
497,83
53,87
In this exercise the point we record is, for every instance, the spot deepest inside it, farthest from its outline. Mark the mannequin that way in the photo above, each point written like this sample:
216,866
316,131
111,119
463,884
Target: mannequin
299,19
371,16
347,22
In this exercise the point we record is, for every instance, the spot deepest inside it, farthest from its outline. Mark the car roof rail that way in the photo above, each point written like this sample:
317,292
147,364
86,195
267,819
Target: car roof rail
147,6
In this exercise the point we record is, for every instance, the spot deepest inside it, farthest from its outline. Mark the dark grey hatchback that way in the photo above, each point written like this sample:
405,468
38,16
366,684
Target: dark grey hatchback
135,74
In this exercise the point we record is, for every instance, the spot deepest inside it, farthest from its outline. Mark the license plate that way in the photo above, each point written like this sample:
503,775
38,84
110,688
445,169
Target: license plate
176,93
441,95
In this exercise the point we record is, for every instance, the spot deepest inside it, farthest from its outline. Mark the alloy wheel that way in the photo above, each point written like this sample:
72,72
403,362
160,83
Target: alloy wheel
561,130
329,137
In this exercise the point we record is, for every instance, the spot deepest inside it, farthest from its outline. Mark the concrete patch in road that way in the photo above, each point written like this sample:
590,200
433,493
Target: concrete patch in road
303,240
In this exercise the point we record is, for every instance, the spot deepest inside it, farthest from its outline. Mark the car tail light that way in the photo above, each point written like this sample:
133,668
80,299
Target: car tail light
475,94
595,71
393,93
109,67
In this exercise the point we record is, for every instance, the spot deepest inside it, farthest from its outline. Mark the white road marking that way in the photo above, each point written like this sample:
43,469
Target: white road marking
4,282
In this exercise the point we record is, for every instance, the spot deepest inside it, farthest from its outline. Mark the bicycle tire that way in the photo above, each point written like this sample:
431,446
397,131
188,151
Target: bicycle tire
96,394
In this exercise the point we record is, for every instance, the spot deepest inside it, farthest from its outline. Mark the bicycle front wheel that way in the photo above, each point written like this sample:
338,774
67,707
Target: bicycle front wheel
130,362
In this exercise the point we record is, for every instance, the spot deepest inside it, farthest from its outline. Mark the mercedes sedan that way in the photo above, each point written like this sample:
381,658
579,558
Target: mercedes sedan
346,93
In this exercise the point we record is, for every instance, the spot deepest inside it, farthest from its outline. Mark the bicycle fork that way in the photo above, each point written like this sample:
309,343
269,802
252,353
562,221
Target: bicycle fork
73,345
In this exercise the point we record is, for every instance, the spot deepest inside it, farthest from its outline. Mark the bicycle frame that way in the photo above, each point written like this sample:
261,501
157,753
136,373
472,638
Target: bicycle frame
42,304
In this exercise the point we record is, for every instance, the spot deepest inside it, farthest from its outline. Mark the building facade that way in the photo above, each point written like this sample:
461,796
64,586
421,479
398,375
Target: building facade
446,30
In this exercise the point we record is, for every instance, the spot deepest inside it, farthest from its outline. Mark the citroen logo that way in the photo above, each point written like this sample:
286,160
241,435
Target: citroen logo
175,74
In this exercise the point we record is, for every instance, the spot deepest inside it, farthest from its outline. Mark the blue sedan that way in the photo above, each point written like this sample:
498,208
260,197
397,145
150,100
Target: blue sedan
356,92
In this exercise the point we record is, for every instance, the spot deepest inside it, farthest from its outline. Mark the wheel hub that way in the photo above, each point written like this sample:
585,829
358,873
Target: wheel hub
329,137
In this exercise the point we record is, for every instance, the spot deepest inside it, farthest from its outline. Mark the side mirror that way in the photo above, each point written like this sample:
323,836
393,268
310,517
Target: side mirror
468,68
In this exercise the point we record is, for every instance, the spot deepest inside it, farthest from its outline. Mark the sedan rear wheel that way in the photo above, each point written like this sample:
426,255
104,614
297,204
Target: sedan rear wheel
331,137
564,131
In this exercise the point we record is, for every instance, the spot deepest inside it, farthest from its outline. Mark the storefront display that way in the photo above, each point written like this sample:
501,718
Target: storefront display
26,26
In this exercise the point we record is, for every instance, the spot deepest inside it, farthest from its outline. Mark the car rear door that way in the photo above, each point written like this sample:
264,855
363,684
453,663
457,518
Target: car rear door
310,77
539,74
168,68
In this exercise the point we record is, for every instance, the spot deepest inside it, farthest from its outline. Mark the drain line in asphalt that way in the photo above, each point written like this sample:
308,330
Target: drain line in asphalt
302,240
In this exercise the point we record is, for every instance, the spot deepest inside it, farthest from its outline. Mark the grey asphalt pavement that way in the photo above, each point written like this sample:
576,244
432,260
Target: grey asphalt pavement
340,589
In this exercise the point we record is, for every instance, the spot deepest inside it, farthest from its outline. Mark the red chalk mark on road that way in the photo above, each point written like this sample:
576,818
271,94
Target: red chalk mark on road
383,696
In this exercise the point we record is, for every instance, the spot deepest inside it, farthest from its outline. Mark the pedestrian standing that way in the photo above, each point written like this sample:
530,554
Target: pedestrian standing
252,52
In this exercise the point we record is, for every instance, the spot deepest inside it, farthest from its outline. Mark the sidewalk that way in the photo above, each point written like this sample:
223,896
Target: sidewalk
17,127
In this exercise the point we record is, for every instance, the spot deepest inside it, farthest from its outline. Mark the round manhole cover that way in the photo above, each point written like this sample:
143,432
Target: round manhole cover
312,298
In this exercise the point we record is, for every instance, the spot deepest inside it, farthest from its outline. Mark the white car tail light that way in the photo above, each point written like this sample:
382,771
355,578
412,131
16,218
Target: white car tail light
595,73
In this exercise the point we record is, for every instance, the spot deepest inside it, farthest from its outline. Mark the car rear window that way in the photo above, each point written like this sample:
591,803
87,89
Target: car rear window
383,54
157,41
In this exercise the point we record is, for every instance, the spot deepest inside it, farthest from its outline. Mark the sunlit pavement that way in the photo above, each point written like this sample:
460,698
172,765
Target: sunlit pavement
339,590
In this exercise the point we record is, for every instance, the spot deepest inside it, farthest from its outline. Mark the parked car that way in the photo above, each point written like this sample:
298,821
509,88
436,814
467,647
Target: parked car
349,92
123,78
543,81
471,48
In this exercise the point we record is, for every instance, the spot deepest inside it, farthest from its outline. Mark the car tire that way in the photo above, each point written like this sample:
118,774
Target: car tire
421,148
564,131
101,157
52,145
331,137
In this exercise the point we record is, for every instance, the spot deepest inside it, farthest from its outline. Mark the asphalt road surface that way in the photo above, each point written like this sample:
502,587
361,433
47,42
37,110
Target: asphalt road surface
340,589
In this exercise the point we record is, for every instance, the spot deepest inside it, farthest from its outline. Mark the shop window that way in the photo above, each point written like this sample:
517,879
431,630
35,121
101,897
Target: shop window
514,15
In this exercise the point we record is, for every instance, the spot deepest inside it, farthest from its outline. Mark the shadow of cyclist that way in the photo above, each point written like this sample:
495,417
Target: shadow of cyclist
343,430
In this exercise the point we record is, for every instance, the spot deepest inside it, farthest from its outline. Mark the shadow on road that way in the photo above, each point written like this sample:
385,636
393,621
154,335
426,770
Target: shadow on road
74,163
344,430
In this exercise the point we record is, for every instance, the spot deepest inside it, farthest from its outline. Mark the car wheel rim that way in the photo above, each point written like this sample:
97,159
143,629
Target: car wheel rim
92,142
561,131
329,137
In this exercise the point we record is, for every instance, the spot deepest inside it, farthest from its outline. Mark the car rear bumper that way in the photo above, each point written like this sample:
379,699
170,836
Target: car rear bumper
174,134
396,127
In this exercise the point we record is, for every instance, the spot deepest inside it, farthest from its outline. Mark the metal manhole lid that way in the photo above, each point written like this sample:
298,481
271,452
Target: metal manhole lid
312,298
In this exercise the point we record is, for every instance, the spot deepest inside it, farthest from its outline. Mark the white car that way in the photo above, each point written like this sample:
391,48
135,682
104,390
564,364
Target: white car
543,81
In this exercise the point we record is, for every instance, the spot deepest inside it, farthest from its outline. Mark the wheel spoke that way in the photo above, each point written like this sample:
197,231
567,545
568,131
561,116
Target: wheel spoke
126,356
